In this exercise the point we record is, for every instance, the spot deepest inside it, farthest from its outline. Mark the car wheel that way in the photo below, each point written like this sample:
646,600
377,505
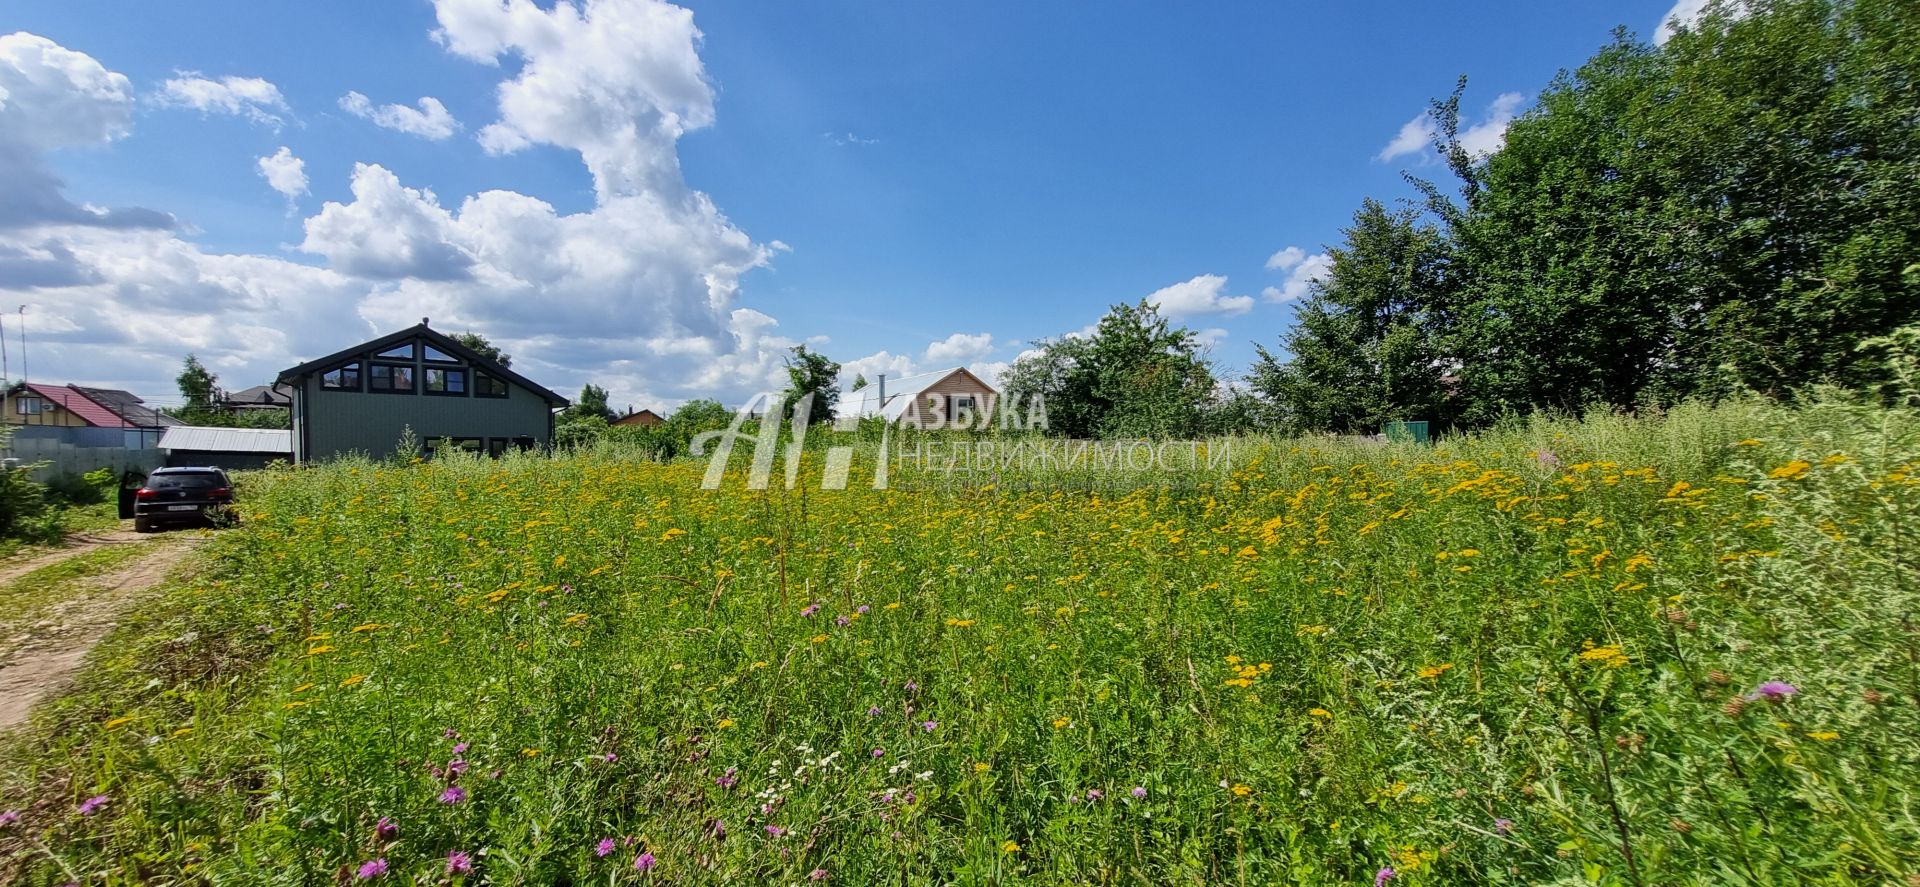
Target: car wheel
142,525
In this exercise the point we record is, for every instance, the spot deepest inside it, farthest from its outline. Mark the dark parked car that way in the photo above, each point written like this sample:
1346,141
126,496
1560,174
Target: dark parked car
182,495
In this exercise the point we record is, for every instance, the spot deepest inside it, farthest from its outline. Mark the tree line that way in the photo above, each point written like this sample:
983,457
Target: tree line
1736,209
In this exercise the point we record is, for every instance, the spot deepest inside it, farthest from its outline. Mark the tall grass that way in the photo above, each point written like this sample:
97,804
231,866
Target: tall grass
1540,654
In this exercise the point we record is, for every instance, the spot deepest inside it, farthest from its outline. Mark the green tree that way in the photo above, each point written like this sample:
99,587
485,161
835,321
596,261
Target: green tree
199,387
1363,349
1135,376
1732,209
592,403
479,344
811,374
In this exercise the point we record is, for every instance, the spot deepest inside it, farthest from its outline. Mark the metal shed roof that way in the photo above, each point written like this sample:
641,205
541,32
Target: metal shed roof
203,439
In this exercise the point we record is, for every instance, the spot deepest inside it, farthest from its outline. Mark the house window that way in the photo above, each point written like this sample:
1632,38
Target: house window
390,379
447,382
523,443
474,445
397,352
963,402
345,377
438,356
485,385
496,447
29,406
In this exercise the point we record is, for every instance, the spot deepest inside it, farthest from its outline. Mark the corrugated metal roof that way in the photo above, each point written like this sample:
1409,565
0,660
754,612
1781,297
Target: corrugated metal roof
203,439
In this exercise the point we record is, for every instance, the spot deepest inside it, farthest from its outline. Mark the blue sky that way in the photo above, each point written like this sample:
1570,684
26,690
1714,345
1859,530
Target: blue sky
904,185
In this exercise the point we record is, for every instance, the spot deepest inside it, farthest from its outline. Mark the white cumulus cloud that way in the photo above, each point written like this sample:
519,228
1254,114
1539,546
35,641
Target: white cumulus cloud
619,82
1201,295
249,97
430,120
1286,258
1301,273
1413,137
959,348
51,98
285,173
1490,133
1480,137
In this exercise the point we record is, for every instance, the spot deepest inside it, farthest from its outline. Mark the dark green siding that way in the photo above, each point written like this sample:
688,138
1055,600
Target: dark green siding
328,424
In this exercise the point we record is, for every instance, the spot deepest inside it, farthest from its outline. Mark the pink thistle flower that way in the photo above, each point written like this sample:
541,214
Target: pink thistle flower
460,749
862,609
8,818
1094,794
810,610
873,711
817,875
1773,691
1385,874
371,869
774,831
453,795
456,767
605,848
644,862
92,805
843,621
385,829
459,862
929,726
1139,792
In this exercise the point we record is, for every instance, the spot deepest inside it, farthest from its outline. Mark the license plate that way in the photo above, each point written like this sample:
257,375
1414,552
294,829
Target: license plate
183,508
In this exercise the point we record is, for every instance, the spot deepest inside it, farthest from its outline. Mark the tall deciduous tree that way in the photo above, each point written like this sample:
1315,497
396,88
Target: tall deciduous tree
1733,208
198,386
480,344
811,375
1363,350
1136,375
591,404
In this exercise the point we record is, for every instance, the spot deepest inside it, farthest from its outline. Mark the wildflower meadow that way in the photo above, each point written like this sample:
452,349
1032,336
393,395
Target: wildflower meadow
1612,651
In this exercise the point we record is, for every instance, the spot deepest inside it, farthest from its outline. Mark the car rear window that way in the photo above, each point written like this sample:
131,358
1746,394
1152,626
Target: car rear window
199,480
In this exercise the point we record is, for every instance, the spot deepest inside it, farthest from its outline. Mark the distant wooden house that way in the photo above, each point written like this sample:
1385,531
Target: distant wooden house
646,418
365,398
259,397
949,398
120,418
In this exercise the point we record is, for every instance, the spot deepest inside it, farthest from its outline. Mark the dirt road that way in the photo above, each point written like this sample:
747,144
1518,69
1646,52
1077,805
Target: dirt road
49,655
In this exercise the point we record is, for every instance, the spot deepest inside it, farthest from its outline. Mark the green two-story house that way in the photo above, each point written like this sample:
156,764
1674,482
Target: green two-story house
364,399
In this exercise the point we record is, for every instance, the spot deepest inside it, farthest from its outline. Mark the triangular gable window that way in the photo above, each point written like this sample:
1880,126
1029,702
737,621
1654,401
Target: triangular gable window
398,352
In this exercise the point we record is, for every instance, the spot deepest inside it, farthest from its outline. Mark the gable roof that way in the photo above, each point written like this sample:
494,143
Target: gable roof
275,395
76,402
440,341
901,394
640,417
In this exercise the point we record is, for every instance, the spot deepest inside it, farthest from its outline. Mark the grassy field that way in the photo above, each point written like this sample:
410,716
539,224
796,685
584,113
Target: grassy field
1611,651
